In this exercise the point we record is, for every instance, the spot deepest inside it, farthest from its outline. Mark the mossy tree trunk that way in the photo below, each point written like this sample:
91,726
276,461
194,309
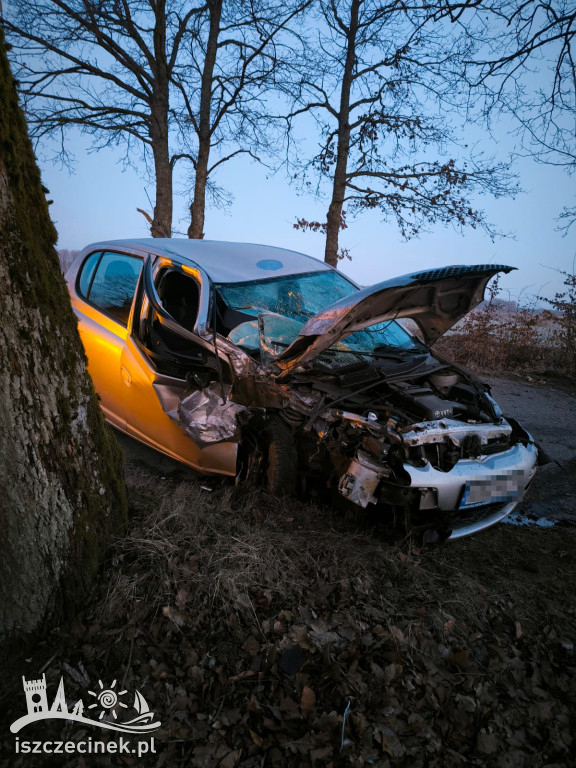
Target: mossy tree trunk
61,488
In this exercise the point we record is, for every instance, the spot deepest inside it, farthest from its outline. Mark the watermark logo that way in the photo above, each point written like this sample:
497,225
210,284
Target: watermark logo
106,701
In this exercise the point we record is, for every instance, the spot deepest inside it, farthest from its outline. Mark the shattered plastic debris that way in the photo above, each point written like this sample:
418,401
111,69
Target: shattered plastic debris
207,418
517,519
246,335
360,481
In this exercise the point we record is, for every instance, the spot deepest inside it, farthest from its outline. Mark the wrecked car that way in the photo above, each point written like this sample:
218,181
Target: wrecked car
270,367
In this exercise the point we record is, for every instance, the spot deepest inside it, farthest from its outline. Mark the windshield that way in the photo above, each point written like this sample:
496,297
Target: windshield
296,296
299,297
377,338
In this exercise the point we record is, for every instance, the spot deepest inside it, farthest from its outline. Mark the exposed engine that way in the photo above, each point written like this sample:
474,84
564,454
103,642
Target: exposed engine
413,436
364,423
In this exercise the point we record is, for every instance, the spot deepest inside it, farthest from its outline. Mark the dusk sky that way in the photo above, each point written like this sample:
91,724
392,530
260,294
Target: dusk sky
99,197
98,201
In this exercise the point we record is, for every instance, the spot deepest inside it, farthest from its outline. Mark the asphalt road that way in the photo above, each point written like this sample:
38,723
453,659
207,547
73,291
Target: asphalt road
549,415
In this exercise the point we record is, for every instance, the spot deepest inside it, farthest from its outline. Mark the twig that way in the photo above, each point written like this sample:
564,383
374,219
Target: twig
344,718
145,214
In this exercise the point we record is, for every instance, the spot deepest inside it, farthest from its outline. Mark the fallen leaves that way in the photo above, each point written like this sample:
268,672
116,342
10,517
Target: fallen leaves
307,701
258,646
251,645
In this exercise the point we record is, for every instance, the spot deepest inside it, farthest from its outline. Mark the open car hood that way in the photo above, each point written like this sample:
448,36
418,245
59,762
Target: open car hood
435,299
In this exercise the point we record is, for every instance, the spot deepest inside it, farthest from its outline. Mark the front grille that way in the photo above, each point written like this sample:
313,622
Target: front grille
444,456
496,446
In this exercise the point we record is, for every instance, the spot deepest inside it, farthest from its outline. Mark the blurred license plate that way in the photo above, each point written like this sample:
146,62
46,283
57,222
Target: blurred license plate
494,489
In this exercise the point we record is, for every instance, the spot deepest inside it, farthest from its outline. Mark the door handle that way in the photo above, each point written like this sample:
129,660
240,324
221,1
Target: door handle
126,375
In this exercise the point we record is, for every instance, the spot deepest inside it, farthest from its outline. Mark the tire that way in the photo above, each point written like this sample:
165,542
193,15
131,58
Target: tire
268,458
281,460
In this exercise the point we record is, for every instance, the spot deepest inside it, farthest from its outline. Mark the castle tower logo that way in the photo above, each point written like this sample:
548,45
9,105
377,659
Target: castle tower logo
35,691
107,703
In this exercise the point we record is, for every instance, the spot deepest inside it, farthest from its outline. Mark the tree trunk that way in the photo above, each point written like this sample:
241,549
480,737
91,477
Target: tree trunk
162,222
61,488
339,183
198,205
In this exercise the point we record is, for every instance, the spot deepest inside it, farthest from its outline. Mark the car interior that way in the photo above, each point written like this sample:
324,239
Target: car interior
170,352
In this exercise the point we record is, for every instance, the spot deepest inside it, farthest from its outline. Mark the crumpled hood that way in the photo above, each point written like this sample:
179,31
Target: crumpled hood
435,299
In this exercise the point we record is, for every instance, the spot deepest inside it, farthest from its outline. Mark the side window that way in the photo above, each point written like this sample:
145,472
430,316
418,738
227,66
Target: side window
112,286
87,273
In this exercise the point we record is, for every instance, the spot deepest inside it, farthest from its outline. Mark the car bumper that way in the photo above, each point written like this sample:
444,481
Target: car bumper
477,493
479,519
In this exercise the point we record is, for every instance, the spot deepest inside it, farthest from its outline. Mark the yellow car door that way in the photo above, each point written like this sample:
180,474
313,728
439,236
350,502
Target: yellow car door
154,365
102,301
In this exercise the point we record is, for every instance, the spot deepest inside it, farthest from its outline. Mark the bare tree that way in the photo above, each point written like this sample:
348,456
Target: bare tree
106,67
61,486
66,258
528,69
381,92
239,54
178,80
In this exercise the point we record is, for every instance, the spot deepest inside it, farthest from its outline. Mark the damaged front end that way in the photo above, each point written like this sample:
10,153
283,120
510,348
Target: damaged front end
347,399
453,476
419,441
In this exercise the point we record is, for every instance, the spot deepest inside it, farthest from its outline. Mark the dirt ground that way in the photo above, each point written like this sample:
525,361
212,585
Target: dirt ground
276,633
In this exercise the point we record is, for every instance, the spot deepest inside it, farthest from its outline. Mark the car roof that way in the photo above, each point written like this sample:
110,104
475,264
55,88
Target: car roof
224,262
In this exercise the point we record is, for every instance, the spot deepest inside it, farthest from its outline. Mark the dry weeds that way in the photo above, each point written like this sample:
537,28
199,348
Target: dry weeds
502,337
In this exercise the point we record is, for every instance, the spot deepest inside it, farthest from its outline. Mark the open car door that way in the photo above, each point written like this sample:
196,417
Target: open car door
160,363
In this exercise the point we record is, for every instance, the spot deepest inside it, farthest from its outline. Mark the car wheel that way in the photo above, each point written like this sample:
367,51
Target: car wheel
281,460
267,457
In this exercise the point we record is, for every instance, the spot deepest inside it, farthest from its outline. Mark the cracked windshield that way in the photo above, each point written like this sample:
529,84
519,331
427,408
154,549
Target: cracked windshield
297,298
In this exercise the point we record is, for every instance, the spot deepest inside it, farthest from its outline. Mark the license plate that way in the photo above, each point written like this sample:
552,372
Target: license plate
506,486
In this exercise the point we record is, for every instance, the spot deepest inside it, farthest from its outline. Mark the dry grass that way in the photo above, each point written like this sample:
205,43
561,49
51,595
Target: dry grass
219,586
226,546
235,552
501,341
433,653
502,337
